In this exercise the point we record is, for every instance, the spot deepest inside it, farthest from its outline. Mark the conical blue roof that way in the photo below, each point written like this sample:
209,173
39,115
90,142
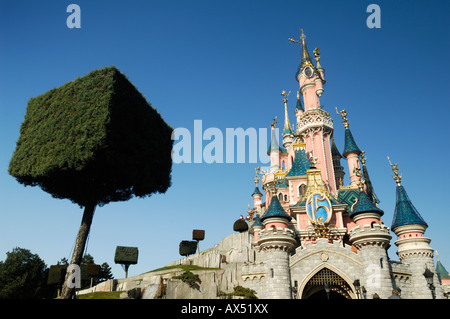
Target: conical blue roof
350,144
405,213
257,221
275,210
256,191
334,149
441,271
299,106
364,205
273,146
288,130
300,165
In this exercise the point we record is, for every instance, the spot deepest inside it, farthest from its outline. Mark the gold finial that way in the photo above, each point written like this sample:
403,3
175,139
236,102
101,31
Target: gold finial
343,114
317,56
274,186
285,96
258,172
359,182
363,158
303,36
250,213
397,178
274,123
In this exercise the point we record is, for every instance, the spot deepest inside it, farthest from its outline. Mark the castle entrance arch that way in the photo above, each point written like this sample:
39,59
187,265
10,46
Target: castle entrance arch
327,284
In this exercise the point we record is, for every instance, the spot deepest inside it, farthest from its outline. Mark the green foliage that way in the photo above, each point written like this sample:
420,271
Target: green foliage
174,268
189,278
240,225
126,255
101,295
22,275
94,140
188,247
245,293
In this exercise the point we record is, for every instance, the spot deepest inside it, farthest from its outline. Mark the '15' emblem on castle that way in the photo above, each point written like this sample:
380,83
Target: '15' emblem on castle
318,208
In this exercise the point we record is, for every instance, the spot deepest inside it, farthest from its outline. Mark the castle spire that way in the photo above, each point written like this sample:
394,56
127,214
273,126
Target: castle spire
405,213
351,150
288,134
369,188
287,125
306,60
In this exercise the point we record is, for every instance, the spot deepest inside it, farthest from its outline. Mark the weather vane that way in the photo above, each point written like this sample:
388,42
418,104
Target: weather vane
274,122
397,178
302,37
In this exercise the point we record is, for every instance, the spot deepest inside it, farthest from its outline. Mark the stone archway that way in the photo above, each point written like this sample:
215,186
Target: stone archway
337,287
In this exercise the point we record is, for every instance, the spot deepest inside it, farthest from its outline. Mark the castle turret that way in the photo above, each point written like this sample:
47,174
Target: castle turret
338,169
314,124
288,134
351,151
274,149
367,182
413,248
276,240
371,238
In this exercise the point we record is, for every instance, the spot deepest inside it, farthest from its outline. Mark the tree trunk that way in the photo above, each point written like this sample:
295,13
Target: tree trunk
80,245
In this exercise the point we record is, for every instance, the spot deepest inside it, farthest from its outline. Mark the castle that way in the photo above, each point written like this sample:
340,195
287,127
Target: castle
314,237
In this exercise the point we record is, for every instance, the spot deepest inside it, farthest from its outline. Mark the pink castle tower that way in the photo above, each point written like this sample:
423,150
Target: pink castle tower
315,125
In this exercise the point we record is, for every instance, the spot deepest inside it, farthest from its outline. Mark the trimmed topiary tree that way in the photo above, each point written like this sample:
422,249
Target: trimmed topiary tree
94,140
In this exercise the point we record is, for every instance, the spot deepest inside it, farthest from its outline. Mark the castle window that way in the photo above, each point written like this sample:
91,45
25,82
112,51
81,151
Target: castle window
301,190
285,198
280,197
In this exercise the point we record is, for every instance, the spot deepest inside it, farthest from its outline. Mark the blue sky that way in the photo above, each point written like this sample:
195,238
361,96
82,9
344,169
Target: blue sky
226,63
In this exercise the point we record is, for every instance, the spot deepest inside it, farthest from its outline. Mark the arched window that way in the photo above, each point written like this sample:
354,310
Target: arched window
285,198
301,190
280,197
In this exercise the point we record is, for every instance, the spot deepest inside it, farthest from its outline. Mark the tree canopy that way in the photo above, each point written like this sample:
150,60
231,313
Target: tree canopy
94,140
22,275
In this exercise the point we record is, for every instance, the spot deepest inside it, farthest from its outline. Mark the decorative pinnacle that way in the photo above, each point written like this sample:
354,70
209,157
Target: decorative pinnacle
285,96
250,213
363,158
274,123
359,182
274,186
303,36
343,114
258,172
397,178
317,56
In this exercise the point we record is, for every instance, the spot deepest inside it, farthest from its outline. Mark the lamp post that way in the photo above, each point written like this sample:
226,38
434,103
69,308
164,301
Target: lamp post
428,274
357,288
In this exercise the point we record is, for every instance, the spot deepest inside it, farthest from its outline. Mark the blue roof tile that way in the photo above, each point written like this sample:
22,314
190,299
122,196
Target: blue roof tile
275,210
300,165
364,205
350,144
405,213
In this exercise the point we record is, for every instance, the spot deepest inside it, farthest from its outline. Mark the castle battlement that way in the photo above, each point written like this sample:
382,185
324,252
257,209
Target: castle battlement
375,234
277,238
